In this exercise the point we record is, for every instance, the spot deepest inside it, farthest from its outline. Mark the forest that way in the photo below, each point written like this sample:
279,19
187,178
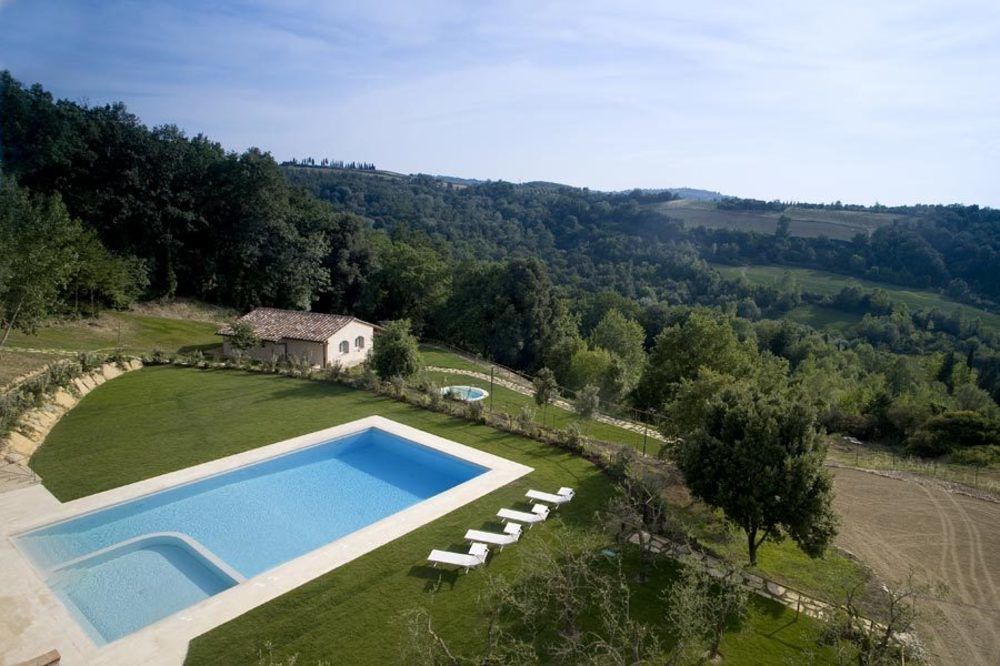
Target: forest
98,210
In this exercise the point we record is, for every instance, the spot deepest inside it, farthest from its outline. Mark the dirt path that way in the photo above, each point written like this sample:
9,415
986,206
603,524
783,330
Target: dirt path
947,539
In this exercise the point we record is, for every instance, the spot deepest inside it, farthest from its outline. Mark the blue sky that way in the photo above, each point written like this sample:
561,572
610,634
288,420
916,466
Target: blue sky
897,102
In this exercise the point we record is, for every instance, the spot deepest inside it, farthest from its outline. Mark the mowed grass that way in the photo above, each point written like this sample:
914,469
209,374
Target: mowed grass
805,222
442,358
161,419
131,331
503,399
512,402
825,283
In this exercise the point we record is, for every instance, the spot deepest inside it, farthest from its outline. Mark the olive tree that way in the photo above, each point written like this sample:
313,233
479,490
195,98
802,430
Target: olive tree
546,389
587,401
699,608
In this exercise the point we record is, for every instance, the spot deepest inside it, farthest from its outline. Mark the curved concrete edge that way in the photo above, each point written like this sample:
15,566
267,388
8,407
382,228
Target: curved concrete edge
43,622
180,539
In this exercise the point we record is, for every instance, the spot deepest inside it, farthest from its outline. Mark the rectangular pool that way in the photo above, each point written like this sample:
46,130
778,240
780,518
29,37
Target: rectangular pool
120,568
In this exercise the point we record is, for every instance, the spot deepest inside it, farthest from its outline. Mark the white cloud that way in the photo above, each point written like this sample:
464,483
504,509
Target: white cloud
895,101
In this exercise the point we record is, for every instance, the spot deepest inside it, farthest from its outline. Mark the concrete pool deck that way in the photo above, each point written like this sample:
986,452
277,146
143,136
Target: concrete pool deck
34,621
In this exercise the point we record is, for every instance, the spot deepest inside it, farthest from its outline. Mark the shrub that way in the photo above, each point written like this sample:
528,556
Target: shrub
334,372
395,351
396,386
526,421
953,430
435,398
977,456
573,438
475,411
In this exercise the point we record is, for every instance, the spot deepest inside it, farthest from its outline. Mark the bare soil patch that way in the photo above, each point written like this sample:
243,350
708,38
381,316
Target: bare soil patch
948,539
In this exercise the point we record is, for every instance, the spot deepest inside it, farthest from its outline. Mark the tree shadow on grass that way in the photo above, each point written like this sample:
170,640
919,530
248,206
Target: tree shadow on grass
436,578
190,349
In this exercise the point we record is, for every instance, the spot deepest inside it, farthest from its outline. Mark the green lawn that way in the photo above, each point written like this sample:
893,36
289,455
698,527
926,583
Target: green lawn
825,283
512,402
442,358
132,331
165,418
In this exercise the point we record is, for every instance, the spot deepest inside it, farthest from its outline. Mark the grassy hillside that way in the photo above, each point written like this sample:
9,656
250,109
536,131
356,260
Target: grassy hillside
822,282
175,327
806,222
131,331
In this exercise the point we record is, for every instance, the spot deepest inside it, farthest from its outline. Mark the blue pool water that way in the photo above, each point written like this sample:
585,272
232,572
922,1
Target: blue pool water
465,393
249,520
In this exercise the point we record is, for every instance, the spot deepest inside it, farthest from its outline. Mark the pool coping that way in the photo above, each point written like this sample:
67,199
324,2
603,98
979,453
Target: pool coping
48,624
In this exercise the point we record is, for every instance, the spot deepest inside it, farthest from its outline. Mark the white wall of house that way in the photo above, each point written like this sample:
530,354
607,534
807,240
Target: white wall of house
355,354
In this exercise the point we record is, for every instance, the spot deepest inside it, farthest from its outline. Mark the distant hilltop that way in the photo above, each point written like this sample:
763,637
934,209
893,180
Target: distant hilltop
696,194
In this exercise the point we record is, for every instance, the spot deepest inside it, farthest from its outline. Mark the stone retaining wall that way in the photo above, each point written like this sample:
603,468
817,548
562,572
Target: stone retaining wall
34,426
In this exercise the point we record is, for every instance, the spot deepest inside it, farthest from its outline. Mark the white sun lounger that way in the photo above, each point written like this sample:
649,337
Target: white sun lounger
553,499
539,512
476,557
512,532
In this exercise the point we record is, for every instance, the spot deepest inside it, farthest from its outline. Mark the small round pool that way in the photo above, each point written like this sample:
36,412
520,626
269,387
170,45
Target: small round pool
464,393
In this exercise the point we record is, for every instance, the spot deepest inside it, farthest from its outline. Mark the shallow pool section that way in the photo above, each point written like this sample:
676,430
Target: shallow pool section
465,393
121,568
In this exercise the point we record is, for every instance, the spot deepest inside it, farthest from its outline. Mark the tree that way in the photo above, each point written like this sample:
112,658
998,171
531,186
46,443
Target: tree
637,511
243,336
37,250
587,401
575,601
887,642
706,339
757,456
410,280
546,389
699,608
510,312
622,337
588,366
395,352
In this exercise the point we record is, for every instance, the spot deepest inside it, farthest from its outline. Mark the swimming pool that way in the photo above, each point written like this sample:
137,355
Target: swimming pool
465,393
125,566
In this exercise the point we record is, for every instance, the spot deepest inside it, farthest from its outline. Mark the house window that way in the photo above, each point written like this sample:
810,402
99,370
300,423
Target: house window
345,347
359,342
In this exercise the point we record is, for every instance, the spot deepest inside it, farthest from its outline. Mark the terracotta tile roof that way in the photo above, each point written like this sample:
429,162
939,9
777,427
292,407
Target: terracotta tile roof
273,324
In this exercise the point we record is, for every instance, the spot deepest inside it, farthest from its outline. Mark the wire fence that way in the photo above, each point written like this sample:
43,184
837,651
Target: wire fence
983,479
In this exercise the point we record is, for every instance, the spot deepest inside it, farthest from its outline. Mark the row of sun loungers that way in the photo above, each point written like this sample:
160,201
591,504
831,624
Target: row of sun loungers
513,520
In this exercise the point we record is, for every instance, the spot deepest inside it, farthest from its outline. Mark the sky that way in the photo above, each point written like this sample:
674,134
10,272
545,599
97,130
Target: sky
863,102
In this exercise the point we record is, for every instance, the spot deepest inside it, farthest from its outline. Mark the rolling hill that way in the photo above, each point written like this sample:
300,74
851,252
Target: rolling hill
805,222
